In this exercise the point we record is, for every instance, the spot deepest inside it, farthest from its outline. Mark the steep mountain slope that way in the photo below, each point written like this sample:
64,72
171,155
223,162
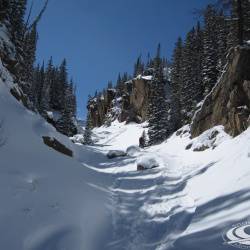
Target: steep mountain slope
47,201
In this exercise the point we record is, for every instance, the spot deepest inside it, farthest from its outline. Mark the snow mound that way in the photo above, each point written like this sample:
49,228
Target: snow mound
79,138
116,153
147,162
133,150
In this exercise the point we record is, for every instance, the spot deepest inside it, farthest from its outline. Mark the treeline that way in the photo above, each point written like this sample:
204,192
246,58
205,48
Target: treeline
54,96
199,60
47,88
197,63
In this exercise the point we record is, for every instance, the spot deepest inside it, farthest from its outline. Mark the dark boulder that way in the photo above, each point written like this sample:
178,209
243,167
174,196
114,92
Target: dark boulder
56,145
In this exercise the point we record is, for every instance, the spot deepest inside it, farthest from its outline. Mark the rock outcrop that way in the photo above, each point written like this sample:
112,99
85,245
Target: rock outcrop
99,106
228,104
131,106
56,145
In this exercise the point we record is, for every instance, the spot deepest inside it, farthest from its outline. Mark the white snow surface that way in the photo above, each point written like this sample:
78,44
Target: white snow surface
52,202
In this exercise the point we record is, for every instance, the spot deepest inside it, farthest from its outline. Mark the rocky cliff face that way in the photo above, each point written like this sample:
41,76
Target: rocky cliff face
228,103
131,106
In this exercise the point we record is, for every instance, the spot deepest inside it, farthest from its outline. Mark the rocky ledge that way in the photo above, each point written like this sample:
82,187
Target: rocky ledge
228,104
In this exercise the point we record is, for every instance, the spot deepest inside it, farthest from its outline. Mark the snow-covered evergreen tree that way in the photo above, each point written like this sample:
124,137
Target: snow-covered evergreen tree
66,123
139,67
210,43
87,138
158,122
46,88
176,84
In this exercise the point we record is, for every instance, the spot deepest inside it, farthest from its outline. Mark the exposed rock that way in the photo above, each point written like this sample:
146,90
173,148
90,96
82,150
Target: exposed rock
201,148
228,104
99,107
56,145
130,107
139,98
189,146
19,95
141,167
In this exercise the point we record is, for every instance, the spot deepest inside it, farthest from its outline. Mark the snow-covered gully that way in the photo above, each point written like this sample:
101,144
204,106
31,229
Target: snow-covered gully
50,201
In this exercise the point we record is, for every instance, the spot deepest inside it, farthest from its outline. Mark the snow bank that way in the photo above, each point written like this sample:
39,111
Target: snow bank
47,201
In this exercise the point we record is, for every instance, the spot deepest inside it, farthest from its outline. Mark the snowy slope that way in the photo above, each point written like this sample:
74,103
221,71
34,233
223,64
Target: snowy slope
190,200
47,201
52,202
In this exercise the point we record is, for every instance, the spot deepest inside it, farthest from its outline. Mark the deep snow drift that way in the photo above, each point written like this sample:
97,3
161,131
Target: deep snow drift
52,202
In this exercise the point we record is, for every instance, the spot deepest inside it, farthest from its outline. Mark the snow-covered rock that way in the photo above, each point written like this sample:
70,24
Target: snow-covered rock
133,150
79,138
116,153
209,139
147,162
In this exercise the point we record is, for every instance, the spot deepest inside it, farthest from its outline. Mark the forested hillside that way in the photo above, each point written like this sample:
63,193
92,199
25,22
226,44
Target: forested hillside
46,88
171,91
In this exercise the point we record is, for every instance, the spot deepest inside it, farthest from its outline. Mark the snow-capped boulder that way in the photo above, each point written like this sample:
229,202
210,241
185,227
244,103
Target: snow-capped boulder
79,138
133,150
209,139
116,153
147,162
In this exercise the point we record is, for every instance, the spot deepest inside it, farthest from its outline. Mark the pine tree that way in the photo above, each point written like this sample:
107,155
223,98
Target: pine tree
16,14
139,67
198,58
119,85
4,9
210,59
46,89
239,24
110,85
40,88
29,53
87,137
176,84
62,84
55,101
246,16
143,140
158,122
66,124
188,71
222,31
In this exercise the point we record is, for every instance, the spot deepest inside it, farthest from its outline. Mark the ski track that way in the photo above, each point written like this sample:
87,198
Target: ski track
149,209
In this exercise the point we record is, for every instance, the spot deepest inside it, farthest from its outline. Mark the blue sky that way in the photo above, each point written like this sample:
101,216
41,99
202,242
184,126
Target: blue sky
100,38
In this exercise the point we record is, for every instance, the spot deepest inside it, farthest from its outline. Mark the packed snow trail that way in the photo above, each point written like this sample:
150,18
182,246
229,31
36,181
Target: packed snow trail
149,208
155,209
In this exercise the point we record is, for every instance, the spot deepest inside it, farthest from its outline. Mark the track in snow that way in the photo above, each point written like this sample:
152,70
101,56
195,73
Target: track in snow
149,208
